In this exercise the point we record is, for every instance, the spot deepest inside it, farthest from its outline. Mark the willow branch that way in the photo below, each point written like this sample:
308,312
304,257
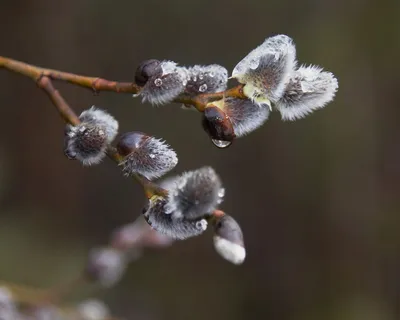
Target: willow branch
43,79
58,101
98,84
93,83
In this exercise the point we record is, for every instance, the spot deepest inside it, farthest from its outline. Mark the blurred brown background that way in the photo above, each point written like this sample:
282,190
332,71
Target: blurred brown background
318,199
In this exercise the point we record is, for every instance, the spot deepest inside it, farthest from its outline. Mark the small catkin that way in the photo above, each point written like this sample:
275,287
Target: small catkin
146,155
88,141
165,223
194,194
309,88
164,84
266,70
228,239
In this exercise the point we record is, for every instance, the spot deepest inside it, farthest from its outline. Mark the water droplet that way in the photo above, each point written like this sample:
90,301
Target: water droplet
253,64
221,194
201,76
168,208
194,79
203,88
202,224
221,143
152,155
158,82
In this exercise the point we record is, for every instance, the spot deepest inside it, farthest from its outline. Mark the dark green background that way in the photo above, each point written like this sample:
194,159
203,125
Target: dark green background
318,199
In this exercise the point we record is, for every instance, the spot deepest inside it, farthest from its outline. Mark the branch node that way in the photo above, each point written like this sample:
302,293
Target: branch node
94,87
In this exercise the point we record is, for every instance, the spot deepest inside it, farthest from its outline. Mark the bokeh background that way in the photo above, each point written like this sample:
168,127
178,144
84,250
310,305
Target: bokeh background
318,199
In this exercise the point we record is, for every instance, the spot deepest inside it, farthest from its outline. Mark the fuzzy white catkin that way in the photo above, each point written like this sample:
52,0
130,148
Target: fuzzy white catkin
266,69
206,79
245,115
179,228
101,118
310,88
194,194
106,265
230,251
88,141
152,159
165,87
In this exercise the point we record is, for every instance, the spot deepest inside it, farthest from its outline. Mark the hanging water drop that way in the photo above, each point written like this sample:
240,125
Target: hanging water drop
203,88
221,143
158,82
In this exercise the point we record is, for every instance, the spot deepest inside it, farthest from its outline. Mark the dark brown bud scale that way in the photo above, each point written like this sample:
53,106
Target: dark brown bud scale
227,228
217,124
146,70
130,142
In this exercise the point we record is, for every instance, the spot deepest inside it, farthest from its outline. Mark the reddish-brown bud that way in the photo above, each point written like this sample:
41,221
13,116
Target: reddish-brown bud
146,70
130,141
218,126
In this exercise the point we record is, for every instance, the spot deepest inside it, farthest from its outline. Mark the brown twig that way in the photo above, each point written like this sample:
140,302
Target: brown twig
58,101
98,84
93,83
